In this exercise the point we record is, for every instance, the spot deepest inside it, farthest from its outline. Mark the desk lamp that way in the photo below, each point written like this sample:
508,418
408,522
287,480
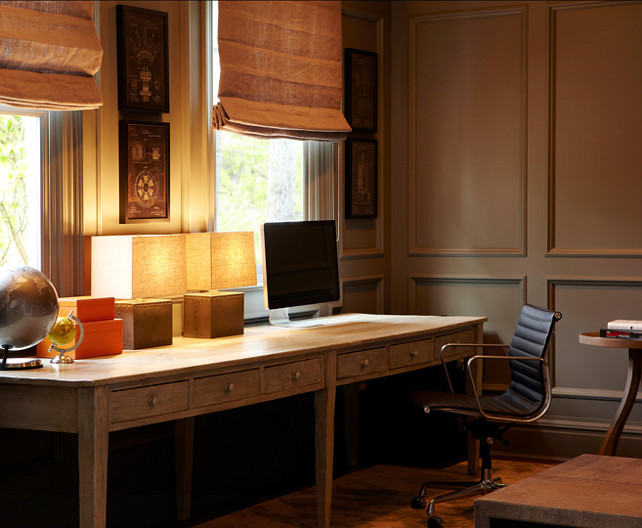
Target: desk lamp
216,261
138,266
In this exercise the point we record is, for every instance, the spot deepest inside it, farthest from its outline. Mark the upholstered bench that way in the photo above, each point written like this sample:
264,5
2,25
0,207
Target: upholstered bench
589,491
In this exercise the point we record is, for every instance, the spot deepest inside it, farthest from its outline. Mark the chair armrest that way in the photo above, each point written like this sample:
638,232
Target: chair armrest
455,345
501,418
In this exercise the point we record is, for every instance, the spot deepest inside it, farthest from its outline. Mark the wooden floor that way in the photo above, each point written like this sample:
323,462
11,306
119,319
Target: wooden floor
376,497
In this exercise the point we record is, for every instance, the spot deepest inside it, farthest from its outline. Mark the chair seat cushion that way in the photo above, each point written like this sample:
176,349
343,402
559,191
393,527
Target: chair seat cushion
508,403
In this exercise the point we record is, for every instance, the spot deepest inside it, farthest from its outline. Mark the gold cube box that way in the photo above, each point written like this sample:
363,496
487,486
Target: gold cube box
213,314
147,323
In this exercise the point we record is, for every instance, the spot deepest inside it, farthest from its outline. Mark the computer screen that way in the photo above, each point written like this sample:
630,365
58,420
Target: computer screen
299,263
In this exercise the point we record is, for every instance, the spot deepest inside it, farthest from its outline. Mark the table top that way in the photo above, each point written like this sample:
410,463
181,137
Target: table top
593,338
589,490
258,343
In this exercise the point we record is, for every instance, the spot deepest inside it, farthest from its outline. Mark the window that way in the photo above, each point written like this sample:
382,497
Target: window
261,180
20,206
257,180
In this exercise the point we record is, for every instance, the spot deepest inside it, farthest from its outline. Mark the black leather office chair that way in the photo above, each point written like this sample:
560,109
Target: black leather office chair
526,399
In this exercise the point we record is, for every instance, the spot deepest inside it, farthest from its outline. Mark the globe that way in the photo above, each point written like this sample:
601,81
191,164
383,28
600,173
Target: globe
28,307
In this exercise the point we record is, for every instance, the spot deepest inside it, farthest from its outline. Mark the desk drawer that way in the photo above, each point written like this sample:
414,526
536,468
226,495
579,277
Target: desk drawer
465,336
411,353
143,402
225,388
292,375
355,364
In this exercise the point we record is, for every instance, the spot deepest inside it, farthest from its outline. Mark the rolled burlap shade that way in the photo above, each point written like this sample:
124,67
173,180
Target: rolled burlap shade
281,70
49,53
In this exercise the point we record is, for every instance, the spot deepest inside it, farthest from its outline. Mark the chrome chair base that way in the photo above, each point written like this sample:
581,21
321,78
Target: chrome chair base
486,485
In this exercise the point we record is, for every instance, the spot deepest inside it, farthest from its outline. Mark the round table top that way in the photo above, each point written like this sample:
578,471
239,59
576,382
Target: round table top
593,338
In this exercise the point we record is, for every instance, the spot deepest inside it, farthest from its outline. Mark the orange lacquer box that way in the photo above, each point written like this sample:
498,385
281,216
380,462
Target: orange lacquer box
102,338
87,308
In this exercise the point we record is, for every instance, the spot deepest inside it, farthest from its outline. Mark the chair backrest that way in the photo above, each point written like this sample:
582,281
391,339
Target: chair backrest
531,339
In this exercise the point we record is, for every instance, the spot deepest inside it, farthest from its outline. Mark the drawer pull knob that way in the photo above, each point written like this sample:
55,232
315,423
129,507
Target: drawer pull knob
296,376
152,401
365,362
229,387
413,353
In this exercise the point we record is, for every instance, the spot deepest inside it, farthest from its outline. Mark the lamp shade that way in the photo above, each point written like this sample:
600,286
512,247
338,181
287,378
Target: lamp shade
138,266
220,260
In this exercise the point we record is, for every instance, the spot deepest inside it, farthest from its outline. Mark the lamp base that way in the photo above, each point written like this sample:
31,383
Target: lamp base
213,314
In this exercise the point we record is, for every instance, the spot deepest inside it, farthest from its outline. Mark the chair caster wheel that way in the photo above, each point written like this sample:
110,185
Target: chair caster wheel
418,503
434,521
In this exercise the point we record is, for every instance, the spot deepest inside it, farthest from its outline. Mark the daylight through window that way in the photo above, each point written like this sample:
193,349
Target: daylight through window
19,190
257,180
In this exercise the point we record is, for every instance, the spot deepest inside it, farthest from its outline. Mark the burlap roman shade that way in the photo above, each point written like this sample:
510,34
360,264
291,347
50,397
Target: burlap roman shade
281,69
49,53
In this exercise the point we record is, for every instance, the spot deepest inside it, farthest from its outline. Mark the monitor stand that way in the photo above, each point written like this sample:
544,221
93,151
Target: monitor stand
280,317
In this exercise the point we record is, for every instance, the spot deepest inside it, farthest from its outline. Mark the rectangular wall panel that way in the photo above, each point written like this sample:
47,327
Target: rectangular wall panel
596,128
467,132
498,299
362,295
587,305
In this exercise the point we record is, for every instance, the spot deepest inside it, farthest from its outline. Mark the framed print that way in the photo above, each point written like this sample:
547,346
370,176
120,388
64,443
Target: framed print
361,90
142,51
144,171
361,178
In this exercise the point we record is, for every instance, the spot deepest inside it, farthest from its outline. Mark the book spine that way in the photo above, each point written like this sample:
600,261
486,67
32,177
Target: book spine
622,334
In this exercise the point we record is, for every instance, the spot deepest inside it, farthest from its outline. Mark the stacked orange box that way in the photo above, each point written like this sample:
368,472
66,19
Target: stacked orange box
103,333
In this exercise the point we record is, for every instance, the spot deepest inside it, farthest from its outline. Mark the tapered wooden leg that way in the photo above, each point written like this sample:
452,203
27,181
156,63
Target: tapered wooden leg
184,449
609,444
324,402
93,451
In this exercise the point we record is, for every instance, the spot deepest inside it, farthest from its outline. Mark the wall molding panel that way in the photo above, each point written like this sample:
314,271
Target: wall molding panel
486,286
582,370
370,29
467,145
595,129
371,286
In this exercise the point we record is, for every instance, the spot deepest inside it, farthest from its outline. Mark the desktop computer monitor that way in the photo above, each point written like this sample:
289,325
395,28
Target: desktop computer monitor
300,265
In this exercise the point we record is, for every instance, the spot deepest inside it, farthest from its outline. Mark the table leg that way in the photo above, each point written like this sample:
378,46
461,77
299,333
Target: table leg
324,401
184,449
93,451
609,444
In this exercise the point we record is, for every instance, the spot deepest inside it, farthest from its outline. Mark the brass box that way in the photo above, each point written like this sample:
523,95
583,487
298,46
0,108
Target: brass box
146,322
212,314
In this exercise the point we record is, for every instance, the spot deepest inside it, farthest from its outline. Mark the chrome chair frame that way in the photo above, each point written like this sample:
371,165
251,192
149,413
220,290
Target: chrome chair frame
486,421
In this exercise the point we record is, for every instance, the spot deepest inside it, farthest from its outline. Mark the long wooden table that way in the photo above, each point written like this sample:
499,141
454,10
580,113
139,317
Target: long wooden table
198,376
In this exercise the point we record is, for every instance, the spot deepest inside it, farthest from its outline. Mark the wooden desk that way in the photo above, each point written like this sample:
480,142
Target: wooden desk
609,444
197,376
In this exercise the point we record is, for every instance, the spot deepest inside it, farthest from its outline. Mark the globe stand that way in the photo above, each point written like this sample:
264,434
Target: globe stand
61,359
17,363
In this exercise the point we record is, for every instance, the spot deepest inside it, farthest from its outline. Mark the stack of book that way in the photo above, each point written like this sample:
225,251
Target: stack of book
623,329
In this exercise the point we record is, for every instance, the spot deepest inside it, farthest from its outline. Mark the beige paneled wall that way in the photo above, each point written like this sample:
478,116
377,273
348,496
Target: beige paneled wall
366,26
515,152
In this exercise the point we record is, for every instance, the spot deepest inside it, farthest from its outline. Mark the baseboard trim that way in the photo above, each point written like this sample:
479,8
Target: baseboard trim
561,439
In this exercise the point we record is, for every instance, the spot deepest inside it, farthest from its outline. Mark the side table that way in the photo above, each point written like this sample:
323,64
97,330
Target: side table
609,444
